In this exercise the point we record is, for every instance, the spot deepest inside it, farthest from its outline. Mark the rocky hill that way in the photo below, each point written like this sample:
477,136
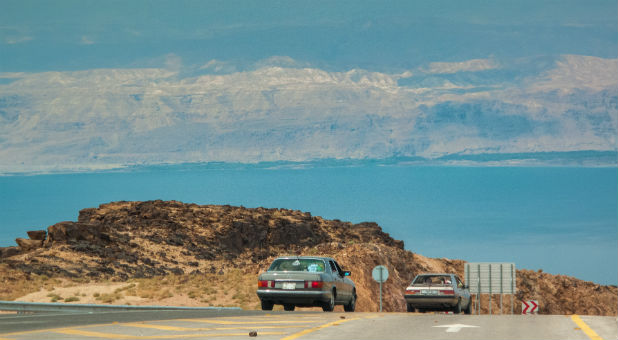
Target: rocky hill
207,254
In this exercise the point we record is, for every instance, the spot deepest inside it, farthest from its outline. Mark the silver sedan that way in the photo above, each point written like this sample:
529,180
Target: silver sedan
306,281
439,291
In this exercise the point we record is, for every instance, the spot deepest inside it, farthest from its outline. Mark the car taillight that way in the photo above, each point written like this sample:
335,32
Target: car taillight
447,292
264,283
412,291
314,284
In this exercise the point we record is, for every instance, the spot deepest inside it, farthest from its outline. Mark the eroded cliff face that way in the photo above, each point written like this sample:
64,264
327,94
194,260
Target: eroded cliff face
120,241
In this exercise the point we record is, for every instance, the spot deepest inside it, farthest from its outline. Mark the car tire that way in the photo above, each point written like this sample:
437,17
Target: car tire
267,305
468,309
351,305
330,304
289,307
457,309
409,308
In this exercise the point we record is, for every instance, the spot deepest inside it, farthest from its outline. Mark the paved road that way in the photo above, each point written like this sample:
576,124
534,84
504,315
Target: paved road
303,325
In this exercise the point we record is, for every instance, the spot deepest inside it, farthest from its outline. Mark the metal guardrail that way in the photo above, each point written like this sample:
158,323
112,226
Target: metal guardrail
31,307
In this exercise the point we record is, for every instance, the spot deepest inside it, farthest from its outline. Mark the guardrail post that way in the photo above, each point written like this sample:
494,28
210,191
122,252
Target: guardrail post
490,289
501,290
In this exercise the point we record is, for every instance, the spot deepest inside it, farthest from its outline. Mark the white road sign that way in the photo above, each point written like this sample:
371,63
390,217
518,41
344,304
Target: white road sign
380,274
530,307
490,278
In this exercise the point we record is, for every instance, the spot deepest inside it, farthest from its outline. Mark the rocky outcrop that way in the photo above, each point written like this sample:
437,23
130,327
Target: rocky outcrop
9,251
122,240
71,232
35,240
38,235
26,245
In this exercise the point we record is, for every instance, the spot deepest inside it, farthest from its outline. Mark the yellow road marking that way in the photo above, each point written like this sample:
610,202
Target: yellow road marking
55,329
174,328
227,322
96,334
190,320
163,327
589,332
270,316
126,336
286,315
257,327
310,330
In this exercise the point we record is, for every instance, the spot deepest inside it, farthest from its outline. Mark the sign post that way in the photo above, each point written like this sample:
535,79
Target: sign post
380,274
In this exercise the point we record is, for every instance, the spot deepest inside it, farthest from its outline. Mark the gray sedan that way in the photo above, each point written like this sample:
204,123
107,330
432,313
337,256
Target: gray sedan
306,281
440,291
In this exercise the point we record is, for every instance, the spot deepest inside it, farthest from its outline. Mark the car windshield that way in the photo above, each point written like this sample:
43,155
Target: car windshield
297,265
432,280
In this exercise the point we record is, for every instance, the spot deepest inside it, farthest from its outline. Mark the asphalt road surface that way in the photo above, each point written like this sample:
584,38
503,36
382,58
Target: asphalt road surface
302,325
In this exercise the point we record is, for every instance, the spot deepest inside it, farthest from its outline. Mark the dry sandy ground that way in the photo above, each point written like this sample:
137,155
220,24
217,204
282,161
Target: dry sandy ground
85,293
88,293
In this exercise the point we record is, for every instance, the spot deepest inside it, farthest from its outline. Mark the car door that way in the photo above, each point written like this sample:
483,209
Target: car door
337,280
463,292
346,288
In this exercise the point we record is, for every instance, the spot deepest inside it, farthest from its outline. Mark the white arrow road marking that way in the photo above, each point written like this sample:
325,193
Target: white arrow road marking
456,327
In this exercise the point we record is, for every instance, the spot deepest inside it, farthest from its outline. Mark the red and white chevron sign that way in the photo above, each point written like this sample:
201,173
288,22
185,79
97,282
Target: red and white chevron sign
529,307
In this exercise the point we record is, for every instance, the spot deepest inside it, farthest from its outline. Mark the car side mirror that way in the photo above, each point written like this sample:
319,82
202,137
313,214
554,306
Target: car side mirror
347,273
465,287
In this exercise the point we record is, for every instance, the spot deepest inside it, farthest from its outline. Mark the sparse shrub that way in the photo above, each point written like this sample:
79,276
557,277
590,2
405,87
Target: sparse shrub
71,299
165,294
109,298
145,295
54,297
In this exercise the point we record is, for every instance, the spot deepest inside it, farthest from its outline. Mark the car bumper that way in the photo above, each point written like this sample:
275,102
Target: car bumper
294,296
420,301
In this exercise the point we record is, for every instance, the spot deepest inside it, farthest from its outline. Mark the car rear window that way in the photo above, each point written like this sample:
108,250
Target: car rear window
297,265
432,279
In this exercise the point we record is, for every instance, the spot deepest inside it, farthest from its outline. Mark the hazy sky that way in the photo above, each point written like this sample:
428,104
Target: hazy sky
334,35
149,82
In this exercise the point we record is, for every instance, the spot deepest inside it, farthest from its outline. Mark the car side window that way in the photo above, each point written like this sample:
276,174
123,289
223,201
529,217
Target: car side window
459,283
333,267
339,270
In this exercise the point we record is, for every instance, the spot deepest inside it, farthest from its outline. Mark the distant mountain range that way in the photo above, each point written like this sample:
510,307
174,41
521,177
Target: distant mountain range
478,111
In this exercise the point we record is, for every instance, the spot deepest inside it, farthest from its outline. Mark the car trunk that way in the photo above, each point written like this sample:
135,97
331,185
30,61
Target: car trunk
290,280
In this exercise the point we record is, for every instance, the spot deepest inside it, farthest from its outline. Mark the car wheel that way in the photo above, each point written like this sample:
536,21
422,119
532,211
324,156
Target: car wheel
410,308
468,309
457,308
351,305
330,305
289,307
267,305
